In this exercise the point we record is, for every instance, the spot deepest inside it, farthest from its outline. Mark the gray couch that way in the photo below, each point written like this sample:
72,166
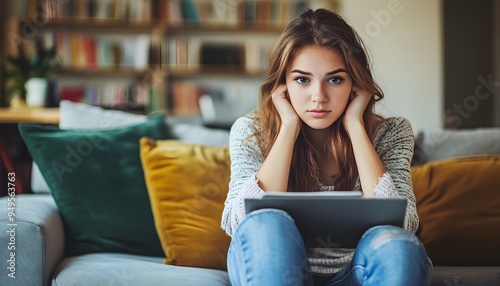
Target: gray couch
39,250
39,260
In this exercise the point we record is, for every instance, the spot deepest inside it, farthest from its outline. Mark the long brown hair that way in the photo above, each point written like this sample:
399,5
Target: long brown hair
322,28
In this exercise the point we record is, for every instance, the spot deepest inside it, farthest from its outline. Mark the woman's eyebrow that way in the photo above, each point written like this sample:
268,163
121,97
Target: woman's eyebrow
336,71
301,72
328,73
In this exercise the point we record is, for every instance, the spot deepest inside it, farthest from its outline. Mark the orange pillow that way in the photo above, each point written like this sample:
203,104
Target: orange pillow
458,202
187,186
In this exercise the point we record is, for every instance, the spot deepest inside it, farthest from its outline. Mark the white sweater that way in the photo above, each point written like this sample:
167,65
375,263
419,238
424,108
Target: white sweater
393,142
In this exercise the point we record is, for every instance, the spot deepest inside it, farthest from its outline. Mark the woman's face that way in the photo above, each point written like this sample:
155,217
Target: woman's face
318,86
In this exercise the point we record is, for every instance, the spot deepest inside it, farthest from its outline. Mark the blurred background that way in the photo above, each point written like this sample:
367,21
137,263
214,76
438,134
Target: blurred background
438,61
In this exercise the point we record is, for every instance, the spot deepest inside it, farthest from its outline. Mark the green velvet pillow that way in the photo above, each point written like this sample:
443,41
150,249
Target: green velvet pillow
98,184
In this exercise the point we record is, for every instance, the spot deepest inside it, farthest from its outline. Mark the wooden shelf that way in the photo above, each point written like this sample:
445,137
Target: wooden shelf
102,72
213,73
105,25
118,25
28,114
224,29
131,73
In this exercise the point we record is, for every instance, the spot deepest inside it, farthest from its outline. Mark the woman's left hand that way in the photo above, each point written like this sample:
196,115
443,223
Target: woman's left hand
358,101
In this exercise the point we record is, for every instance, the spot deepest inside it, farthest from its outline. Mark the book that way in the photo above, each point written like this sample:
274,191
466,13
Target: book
185,97
190,12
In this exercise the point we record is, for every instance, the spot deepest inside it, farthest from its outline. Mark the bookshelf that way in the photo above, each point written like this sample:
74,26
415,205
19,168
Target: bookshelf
107,52
144,55
220,49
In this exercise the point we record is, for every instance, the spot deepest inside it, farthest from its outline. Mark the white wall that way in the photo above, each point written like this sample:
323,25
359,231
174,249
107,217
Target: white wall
404,39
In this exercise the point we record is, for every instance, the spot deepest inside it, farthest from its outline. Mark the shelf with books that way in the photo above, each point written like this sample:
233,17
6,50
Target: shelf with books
108,51
220,49
198,52
137,92
133,11
125,62
115,95
224,98
228,67
103,50
236,13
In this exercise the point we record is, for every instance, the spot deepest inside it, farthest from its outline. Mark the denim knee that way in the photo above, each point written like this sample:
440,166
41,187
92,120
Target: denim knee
379,236
392,256
267,249
265,220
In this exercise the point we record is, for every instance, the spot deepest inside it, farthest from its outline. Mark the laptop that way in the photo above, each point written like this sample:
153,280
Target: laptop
333,219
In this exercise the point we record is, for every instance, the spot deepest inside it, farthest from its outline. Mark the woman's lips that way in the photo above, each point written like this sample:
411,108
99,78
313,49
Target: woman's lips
318,113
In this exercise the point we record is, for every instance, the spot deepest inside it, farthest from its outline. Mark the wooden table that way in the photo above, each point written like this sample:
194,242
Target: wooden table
10,141
35,115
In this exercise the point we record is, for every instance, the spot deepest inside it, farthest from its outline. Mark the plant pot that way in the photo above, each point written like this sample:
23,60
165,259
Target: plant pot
36,92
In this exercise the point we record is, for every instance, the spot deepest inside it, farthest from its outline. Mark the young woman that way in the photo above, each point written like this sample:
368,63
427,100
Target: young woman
315,130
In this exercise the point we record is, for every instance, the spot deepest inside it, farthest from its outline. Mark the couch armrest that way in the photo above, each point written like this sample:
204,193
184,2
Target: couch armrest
33,244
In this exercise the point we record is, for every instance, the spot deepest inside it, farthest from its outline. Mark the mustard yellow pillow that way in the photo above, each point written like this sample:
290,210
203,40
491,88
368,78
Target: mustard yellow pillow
187,186
458,202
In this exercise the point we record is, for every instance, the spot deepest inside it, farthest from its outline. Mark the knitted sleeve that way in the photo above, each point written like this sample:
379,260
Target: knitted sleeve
246,160
394,144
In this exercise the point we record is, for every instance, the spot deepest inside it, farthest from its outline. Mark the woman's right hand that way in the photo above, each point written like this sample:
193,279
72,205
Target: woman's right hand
274,172
289,117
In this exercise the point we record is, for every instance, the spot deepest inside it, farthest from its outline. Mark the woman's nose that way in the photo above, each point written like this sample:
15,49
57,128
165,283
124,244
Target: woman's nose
319,95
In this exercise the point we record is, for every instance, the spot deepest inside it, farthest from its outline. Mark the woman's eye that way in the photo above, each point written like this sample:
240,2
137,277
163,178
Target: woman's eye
302,80
336,80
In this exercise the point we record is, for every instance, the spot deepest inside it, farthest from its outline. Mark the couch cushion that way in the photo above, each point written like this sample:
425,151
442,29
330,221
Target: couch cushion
39,239
458,202
187,185
131,270
438,144
74,115
98,184
465,276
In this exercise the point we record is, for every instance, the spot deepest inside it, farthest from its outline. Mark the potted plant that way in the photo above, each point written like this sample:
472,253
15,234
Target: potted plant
27,76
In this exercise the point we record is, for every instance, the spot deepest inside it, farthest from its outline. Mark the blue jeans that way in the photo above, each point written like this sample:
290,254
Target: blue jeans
266,249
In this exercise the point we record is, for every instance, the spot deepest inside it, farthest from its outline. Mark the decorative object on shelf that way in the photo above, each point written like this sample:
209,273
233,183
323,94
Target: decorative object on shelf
27,75
36,91
227,57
